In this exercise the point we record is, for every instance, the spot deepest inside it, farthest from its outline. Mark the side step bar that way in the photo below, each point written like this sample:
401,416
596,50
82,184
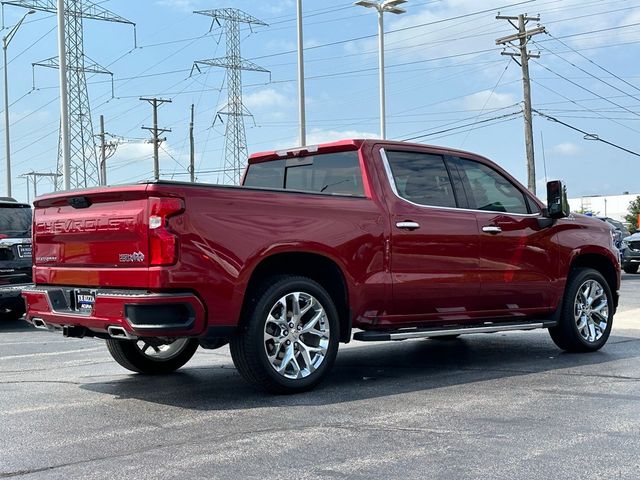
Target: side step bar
409,333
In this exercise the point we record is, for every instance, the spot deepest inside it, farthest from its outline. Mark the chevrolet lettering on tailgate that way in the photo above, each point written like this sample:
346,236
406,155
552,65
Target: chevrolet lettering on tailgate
85,225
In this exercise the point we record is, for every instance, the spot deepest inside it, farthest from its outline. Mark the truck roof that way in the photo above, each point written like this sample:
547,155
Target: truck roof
344,145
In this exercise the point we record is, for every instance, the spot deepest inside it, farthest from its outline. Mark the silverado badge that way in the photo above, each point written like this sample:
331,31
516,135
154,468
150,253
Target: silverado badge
135,257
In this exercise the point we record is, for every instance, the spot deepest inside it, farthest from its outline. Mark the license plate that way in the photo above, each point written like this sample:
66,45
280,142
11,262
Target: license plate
85,300
24,251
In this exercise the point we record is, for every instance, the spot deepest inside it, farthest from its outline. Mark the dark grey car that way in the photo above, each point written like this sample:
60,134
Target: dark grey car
619,230
630,253
15,256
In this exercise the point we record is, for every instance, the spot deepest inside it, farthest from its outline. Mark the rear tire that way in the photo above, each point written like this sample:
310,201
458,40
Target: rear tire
152,357
289,339
631,268
586,315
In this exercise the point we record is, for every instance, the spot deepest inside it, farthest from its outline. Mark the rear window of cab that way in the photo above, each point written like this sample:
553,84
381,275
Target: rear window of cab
330,173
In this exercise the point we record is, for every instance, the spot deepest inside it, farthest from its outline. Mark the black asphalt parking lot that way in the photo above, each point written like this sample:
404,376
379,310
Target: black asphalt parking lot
484,406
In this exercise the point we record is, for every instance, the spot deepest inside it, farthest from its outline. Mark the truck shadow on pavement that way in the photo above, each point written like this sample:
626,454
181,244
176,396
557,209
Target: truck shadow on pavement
379,370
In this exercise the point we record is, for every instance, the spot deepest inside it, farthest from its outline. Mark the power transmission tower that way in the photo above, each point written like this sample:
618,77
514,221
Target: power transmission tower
235,150
84,168
523,36
35,178
156,132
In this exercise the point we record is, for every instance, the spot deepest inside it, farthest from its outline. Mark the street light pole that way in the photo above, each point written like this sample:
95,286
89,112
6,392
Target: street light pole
301,101
64,99
383,122
381,7
5,44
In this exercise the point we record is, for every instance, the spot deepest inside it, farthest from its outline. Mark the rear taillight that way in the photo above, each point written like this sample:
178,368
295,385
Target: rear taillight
163,245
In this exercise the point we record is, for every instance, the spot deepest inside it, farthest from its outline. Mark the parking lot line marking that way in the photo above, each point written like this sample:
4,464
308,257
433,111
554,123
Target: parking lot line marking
48,354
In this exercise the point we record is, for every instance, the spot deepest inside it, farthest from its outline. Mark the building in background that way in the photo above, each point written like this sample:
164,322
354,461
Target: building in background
614,206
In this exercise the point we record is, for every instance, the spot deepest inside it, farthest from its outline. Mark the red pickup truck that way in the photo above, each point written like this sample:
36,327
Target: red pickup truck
396,240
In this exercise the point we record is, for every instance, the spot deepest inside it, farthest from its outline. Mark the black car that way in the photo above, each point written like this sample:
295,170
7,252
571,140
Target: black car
630,253
15,256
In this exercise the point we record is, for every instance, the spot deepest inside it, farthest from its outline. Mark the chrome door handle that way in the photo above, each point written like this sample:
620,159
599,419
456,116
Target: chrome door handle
491,229
407,225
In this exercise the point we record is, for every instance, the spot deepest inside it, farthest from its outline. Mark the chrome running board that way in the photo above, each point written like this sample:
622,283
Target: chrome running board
409,333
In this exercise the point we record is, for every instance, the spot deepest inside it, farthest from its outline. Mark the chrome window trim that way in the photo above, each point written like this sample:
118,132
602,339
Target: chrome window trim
392,184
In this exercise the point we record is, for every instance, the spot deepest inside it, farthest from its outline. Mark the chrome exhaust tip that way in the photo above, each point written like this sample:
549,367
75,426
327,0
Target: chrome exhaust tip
119,333
41,324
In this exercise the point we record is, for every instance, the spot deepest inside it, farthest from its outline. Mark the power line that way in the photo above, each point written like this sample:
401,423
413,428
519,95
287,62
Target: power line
507,115
609,29
575,102
600,79
411,27
596,64
588,90
487,101
587,136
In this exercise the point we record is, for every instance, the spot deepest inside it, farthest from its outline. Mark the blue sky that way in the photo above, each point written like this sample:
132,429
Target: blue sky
444,73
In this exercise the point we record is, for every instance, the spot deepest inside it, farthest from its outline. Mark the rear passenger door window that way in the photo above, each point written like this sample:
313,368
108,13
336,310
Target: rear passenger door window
331,173
488,190
421,178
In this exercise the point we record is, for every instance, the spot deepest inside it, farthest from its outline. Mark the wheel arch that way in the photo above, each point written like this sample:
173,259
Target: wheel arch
317,267
604,265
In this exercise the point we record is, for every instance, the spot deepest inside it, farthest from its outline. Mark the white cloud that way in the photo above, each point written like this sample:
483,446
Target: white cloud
267,98
567,149
318,135
485,100
280,7
187,5
134,161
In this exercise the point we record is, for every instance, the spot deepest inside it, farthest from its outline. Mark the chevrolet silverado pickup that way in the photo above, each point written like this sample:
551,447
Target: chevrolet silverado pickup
391,240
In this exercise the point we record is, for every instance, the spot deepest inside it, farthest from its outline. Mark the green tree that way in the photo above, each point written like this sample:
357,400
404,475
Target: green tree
632,217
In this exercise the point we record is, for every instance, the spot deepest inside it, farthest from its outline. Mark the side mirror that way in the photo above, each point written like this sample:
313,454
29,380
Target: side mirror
557,203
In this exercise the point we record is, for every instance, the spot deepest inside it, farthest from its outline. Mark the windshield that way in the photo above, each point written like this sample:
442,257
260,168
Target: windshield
15,222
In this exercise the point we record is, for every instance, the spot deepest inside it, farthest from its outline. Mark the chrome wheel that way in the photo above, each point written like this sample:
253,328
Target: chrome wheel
591,310
296,335
161,350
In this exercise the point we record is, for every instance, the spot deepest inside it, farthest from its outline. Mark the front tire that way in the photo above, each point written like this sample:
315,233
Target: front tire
289,340
152,356
631,268
586,315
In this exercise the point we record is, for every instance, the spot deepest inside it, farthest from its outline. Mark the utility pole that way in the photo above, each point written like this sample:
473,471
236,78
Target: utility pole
103,153
192,148
235,139
156,132
107,150
523,36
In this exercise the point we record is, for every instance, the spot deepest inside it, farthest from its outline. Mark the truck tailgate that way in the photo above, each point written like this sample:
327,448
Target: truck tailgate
91,238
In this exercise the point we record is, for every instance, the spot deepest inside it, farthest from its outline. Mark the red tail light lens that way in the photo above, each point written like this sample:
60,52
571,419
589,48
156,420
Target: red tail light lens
163,245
